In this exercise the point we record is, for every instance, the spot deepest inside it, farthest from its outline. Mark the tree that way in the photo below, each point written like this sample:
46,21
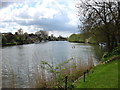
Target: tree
20,31
42,35
4,40
101,20
60,38
10,37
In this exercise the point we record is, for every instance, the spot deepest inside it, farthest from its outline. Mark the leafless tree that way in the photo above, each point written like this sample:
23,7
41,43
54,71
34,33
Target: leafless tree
101,18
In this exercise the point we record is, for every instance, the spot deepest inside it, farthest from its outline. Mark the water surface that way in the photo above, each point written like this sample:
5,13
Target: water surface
23,61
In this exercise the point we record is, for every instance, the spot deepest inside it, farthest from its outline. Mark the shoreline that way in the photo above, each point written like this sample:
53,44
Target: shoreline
14,44
99,72
84,42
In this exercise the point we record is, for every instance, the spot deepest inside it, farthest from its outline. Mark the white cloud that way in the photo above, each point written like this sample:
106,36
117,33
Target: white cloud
46,14
9,27
57,33
73,19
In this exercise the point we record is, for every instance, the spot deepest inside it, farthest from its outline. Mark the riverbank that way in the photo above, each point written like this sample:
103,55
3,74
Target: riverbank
104,75
80,38
13,44
101,76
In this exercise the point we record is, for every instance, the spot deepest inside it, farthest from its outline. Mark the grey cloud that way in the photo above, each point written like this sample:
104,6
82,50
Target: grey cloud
57,23
5,4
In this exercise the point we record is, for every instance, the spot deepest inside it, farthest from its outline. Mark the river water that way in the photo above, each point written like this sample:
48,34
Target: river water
22,61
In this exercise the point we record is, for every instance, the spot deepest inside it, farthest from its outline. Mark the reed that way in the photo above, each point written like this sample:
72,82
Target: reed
49,76
3,81
71,69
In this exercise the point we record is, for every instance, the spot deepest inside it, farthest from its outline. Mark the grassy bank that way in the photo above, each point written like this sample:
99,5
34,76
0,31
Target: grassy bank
77,38
101,76
105,74
80,38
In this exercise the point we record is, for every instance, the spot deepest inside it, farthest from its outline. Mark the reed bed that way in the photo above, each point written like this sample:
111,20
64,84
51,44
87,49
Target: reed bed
50,76
56,79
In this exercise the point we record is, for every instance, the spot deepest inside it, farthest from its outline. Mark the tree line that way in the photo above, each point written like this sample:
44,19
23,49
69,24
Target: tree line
76,38
20,38
81,38
101,21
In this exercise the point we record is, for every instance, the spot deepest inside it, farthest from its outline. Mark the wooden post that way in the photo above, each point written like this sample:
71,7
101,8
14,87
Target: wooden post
87,71
84,77
66,82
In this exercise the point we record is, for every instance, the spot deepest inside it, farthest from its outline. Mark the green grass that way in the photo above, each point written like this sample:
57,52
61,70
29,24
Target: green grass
101,76
76,38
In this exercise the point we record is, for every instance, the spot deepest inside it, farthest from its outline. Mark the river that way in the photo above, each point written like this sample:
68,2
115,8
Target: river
22,60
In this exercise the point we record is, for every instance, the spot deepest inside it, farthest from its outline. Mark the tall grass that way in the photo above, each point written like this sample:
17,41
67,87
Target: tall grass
50,76
8,82
73,70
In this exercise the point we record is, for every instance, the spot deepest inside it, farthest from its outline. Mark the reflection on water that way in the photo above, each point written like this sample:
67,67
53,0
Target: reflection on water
23,61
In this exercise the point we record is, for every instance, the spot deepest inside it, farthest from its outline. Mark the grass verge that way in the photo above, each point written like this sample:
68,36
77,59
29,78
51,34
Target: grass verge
101,76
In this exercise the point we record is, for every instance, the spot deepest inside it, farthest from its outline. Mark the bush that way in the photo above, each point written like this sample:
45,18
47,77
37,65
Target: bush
107,55
116,51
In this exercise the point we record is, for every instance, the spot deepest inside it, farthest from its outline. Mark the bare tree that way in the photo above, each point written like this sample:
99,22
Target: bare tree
101,18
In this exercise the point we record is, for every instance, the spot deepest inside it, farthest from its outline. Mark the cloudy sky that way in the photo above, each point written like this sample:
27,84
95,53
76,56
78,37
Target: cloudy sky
56,16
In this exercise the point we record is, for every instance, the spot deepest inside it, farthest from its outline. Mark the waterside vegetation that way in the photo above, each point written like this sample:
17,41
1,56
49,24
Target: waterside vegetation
100,25
105,74
20,38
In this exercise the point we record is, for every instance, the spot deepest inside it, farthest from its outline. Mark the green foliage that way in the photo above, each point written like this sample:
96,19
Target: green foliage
19,38
4,40
76,38
50,68
92,40
116,51
60,38
101,22
72,70
82,38
99,52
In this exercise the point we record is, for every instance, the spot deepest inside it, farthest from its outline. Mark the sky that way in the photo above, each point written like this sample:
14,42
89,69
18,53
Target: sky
58,17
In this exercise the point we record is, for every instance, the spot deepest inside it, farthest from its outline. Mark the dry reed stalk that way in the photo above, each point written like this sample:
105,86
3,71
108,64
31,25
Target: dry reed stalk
3,82
37,80
30,82
72,70
90,63
12,81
